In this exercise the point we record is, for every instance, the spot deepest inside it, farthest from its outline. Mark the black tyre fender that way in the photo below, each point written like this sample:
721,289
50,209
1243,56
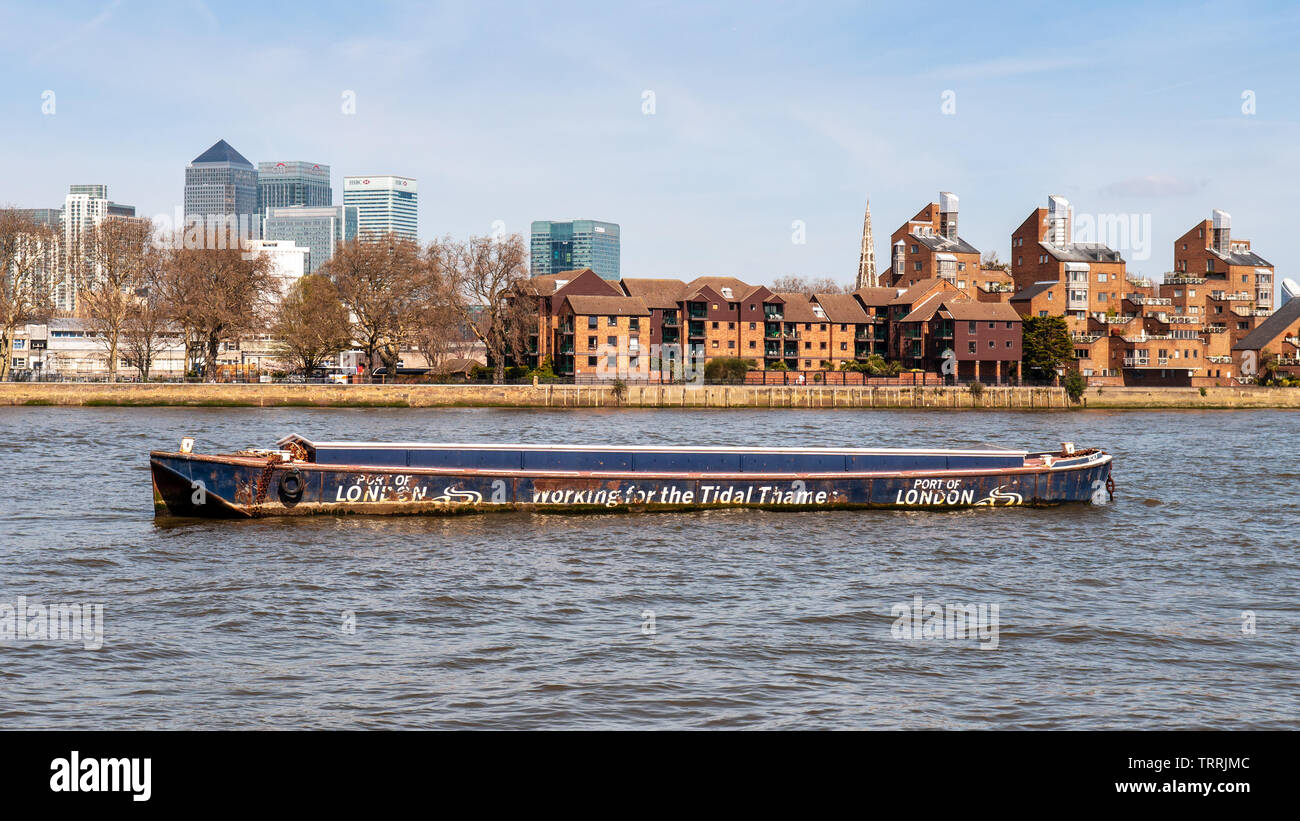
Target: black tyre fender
291,487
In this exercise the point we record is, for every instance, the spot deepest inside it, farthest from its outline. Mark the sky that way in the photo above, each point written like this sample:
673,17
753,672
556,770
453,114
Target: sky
739,139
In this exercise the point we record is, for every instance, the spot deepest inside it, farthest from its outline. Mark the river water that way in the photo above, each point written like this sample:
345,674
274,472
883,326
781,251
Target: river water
1177,605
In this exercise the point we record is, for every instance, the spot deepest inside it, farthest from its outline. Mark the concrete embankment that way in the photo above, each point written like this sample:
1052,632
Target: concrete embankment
637,396
541,396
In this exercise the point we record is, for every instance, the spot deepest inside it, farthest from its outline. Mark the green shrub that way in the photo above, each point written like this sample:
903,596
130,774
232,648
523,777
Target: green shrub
727,369
1075,384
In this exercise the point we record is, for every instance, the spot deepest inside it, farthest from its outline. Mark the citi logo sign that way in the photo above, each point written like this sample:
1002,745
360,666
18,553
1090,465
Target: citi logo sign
75,774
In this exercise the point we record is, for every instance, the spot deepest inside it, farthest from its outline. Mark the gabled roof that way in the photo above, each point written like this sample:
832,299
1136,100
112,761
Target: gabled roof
739,289
920,289
926,310
549,284
585,305
842,308
221,151
657,293
1271,328
1033,290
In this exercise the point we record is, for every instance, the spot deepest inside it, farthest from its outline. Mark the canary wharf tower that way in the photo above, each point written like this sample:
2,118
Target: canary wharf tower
221,183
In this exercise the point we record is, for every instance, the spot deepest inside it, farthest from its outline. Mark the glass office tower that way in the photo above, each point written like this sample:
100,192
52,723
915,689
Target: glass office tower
320,229
284,184
568,246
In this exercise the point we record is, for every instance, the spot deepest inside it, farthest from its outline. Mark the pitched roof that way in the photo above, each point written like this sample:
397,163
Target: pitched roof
841,308
876,297
548,284
918,290
926,310
1271,328
938,242
965,309
739,288
799,308
1242,258
657,293
1033,290
585,305
221,151
1082,252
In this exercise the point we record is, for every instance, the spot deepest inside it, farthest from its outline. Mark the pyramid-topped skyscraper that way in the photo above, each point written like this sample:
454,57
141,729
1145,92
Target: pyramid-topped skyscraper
220,182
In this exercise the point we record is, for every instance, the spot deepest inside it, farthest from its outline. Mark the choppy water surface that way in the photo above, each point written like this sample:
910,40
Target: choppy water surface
1127,615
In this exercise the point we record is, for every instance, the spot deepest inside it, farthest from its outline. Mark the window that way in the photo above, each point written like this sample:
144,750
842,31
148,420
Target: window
751,344
612,360
807,346
634,323
970,347
961,283
715,343
612,341
992,325
992,344
916,266
970,327
715,326
752,308
731,343
961,266
591,343
1042,313
1009,324
844,346
634,362
1010,344
592,323
19,343
733,306
915,249
753,326
823,346
1101,277
731,326
611,321
591,361
715,306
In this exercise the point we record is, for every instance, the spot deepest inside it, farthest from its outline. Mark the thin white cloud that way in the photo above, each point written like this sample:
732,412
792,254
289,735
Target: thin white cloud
81,31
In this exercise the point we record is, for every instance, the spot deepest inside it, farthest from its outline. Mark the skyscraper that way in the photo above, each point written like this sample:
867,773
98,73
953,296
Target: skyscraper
320,229
220,183
282,184
85,207
568,246
384,204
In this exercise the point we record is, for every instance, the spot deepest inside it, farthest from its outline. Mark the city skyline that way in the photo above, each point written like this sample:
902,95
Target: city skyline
686,133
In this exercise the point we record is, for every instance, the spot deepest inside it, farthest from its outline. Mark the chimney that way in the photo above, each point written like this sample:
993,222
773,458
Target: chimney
899,250
1222,232
1058,220
948,215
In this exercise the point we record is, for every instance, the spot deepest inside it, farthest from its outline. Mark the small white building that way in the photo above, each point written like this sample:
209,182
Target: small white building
71,349
289,260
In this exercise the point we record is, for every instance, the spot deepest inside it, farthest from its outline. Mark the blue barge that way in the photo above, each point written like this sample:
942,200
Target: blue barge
299,476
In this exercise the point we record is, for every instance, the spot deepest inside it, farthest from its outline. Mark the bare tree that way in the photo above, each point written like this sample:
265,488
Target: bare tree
148,319
795,284
311,324
110,270
27,258
380,281
480,277
217,295
990,262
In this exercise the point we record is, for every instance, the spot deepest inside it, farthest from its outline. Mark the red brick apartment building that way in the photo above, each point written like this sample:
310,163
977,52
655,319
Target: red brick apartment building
1043,250
641,328
1182,331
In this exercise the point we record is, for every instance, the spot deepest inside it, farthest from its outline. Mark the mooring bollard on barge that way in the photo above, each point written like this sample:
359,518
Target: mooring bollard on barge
304,477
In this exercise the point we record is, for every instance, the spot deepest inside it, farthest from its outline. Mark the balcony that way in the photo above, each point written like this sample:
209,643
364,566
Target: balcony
1183,279
695,330
772,353
697,310
773,314
671,320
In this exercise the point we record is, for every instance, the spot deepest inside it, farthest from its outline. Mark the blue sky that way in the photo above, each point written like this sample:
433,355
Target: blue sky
764,114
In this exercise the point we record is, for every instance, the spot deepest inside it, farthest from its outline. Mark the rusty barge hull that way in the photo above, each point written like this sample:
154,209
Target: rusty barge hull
302,478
